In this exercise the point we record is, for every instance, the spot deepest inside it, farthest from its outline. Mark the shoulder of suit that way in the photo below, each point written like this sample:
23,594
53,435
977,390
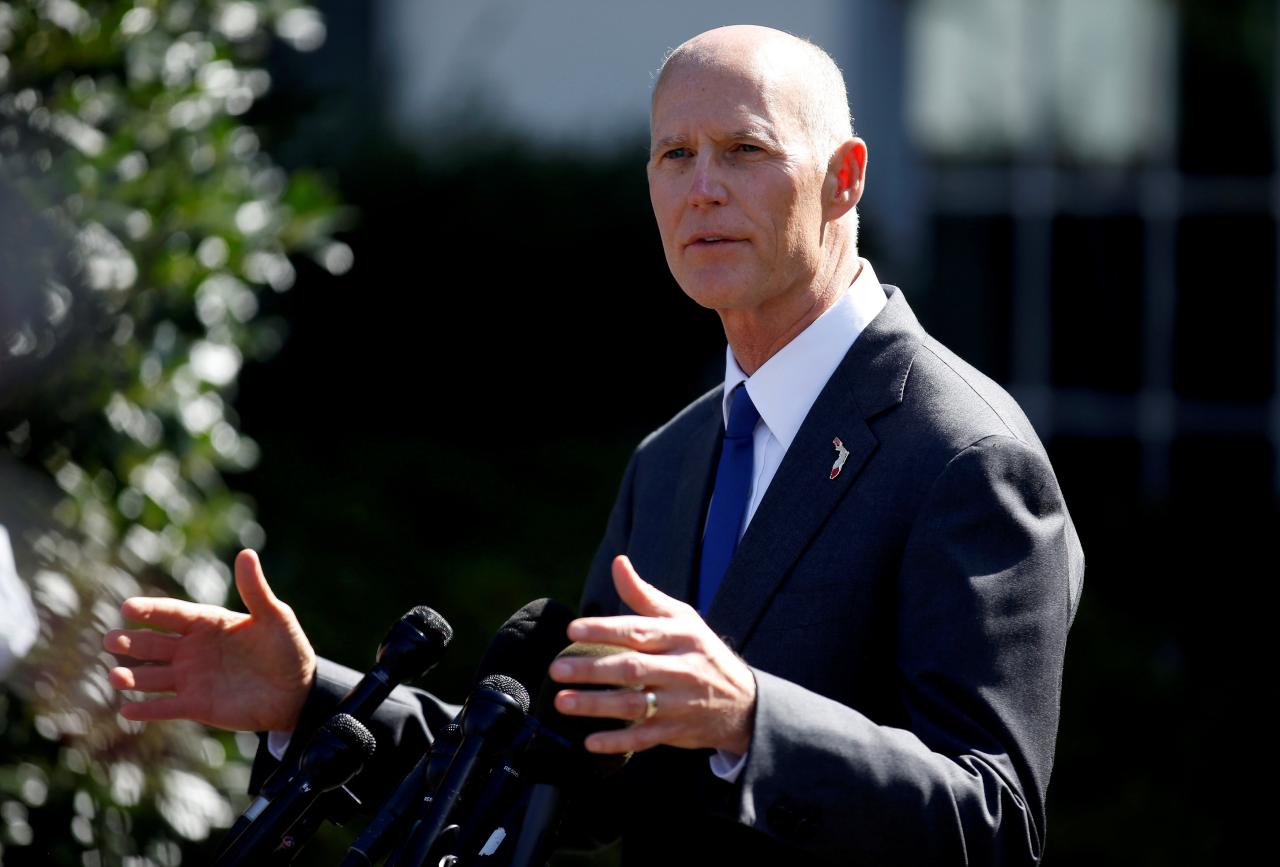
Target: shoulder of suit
693,417
944,402
965,404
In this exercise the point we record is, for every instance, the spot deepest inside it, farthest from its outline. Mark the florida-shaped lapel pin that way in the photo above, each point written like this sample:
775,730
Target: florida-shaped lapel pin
842,455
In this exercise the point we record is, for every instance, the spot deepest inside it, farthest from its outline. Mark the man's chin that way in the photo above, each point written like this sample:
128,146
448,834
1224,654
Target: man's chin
718,295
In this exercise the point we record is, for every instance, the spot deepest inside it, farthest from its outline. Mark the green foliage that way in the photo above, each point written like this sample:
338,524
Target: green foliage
140,222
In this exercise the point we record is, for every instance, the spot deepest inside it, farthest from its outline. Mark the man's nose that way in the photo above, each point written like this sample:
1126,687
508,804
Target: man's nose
707,186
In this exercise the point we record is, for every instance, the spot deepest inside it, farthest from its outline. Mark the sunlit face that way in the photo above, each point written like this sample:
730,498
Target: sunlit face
735,187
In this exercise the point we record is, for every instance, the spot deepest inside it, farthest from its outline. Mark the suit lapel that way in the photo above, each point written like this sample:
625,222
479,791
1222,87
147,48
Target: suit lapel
869,380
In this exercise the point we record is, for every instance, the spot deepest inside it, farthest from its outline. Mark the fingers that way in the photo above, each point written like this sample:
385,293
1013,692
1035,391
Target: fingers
641,596
143,644
648,634
620,669
178,616
628,704
252,584
145,678
635,738
166,707
174,615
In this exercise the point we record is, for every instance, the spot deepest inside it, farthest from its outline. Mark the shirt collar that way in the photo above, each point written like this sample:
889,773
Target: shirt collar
786,386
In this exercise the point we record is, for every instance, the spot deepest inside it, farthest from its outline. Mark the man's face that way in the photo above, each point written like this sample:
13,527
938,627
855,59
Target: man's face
736,188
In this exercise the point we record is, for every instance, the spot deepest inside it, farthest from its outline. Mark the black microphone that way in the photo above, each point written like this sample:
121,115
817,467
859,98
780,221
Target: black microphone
412,646
523,646
548,762
491,715
333,756
555,768
501,788
547,750
380,835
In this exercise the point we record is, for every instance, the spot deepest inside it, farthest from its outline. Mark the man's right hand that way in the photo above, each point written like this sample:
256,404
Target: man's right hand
246,672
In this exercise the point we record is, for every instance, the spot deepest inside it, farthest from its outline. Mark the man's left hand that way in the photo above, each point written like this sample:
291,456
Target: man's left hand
705,693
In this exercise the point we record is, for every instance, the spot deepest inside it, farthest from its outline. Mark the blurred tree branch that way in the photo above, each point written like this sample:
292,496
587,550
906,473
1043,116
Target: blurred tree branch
140,222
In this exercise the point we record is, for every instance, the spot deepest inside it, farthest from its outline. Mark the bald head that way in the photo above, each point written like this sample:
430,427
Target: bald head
754,178
810,80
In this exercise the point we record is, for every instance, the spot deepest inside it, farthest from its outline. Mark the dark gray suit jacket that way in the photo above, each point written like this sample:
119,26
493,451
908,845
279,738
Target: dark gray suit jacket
905,622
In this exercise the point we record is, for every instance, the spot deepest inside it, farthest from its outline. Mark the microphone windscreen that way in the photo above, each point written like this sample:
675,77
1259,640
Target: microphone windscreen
443,748
336,752
351,732
429,622
525,645
574,729
412,646
451,733
508,686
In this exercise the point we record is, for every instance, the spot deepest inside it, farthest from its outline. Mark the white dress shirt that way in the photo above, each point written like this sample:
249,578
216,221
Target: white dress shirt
784,390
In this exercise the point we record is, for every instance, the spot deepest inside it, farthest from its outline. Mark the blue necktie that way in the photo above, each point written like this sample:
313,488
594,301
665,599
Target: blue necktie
729,499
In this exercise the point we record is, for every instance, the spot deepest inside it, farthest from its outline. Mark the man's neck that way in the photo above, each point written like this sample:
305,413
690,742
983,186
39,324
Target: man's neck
757,335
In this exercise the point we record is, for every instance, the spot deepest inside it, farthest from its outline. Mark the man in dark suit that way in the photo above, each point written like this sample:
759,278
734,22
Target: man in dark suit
858,568
907,571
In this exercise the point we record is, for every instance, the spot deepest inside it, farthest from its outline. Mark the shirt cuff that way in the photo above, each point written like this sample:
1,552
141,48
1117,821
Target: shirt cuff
277,743
725,765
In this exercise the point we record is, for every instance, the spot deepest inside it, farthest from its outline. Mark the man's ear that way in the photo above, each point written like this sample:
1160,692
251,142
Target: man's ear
846,178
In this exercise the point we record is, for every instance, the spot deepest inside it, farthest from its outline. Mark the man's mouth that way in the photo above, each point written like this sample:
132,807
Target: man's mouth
712,241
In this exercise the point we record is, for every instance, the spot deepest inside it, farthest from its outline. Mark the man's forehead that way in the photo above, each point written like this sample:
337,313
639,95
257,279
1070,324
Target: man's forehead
733,98
734,74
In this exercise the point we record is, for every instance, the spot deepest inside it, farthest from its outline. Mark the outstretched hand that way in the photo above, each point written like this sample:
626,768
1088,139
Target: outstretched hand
247,672
705,694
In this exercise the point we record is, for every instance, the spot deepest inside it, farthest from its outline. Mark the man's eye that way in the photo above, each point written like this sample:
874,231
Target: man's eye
749,148
675,153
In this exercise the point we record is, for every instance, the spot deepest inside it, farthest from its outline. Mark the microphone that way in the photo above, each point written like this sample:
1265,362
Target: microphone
381,834
502,787
521,649
576,766
491,715
412,646
553,768
334,755
524,646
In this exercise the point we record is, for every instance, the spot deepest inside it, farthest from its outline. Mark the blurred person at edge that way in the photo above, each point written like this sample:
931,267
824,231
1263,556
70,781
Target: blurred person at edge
19,624
874,676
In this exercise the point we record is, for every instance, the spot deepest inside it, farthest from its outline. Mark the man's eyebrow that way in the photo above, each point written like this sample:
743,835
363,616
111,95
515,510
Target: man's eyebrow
679,140
754,132
669,141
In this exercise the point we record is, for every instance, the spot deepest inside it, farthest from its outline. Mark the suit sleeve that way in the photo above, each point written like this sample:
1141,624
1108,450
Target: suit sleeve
401,725
983,603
